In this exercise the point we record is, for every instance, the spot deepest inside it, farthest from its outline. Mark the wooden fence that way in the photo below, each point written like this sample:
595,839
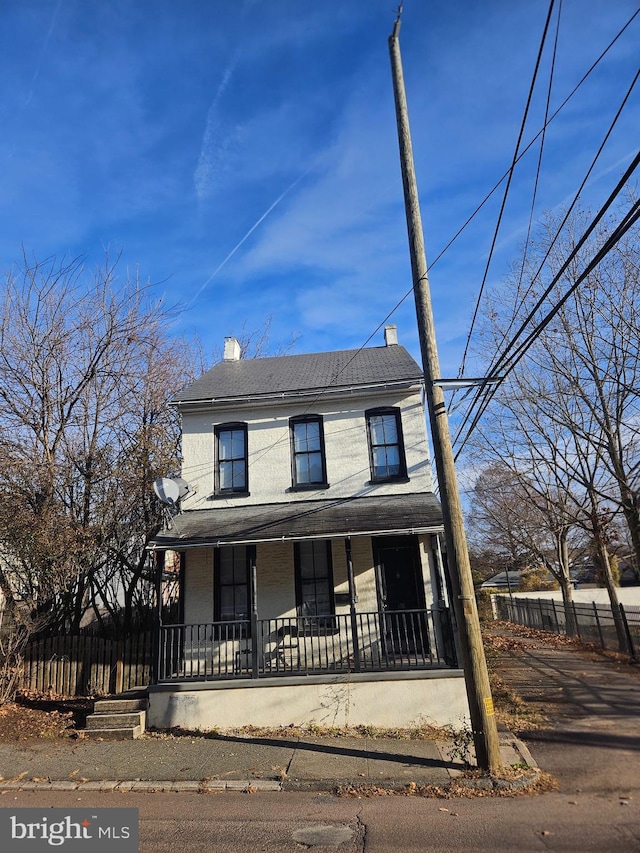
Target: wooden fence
86,665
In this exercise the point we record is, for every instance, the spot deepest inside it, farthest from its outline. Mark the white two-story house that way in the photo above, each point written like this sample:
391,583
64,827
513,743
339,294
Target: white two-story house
311,578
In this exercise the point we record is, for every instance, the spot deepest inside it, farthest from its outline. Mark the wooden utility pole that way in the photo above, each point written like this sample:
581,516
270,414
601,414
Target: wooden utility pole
483,721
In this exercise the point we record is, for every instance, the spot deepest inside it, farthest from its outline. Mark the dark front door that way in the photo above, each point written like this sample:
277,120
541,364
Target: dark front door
401,594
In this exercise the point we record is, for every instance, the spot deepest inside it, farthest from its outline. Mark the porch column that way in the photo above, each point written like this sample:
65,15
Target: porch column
448,631
156,559
353,598
253,591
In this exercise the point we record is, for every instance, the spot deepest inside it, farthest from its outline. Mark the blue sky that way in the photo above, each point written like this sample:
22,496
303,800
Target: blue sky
175,131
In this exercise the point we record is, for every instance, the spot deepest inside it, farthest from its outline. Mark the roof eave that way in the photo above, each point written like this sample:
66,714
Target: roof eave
409,384
183,544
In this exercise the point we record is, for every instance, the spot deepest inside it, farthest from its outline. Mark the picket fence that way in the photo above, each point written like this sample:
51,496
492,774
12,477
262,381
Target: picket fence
86,665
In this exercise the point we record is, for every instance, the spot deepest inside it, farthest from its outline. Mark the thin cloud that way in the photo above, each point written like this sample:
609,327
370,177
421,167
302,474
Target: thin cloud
208,162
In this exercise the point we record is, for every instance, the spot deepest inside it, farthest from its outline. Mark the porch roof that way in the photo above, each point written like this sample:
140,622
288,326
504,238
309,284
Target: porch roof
297,520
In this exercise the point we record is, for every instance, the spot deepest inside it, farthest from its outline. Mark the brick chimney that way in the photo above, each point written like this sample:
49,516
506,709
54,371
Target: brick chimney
390,335
231,349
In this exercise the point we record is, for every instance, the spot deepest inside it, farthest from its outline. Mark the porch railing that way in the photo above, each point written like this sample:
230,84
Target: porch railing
360,642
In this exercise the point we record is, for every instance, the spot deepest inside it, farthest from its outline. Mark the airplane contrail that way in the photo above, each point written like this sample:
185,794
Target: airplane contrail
247,235
42,53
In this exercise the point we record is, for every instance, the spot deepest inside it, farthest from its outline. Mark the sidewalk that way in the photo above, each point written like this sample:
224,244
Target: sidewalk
591,743
592,740
201,763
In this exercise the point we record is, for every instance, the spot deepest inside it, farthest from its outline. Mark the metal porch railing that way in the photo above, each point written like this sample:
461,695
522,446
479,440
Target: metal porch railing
263,648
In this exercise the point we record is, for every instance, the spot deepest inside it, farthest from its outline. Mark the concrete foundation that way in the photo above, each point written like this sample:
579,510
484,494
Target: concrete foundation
393,699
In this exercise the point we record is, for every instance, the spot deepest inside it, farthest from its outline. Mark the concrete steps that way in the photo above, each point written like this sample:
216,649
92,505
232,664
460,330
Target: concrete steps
118,718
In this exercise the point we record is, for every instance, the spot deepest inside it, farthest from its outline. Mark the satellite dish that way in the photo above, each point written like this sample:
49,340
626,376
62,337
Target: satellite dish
167,491
183,486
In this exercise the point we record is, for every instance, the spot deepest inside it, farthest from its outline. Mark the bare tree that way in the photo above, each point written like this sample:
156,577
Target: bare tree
527,516
570,411
87,369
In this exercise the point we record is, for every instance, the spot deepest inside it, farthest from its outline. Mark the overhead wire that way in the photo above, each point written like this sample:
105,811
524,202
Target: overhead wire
525,150
506,363
540,133
487,392
505,195
336,376
576,198
497,365
532,141
535,183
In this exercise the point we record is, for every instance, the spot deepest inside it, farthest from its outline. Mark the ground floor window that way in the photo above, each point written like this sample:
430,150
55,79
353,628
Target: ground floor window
231,583
314,579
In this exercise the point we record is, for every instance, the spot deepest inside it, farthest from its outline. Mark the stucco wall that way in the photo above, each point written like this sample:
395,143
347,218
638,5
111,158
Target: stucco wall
347,454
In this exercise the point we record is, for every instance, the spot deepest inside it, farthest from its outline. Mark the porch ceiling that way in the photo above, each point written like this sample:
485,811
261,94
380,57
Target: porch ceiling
296,520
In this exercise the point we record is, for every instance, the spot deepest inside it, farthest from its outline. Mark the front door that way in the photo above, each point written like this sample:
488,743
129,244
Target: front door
401,593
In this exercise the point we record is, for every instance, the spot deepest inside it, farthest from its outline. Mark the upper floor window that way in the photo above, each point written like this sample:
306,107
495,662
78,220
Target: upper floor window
231,458
386,447
307,451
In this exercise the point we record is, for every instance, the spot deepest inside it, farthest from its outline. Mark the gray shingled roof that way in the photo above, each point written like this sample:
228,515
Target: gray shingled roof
378,514
256,377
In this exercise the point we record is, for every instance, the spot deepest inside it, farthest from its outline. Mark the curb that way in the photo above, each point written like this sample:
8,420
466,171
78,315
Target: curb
253,786
152,787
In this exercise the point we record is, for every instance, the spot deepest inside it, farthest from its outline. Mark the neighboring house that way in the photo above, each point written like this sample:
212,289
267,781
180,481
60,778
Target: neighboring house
503,580
312,586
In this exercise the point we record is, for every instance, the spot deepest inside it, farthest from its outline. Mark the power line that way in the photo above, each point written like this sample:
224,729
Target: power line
535,185
489,392
505,363
497,365
525,150
508,184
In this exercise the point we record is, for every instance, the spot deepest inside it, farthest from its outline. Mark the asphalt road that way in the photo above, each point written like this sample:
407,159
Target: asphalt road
279,822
